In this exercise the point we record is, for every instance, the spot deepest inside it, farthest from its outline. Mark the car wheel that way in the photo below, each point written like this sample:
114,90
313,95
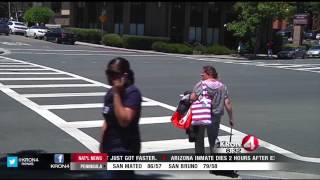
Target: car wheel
57,40
7,34
293,56
45,38
35,35
10,31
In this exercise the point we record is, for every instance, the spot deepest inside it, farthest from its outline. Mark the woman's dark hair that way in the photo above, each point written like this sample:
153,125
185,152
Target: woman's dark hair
119,66
211,71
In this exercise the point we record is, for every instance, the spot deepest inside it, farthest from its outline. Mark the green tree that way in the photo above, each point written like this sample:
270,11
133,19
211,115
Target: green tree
255,16
38,15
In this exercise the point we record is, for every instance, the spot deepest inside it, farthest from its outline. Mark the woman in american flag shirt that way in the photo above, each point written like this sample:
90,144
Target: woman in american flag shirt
209,97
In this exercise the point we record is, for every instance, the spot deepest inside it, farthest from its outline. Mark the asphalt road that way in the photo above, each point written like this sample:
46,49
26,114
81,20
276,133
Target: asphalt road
276,100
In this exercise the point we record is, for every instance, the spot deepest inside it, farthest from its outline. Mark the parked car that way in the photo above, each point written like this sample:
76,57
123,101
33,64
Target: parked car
284,33
314,51
310,35
288,32
36,31
292,52
4,28
17,27
59,35
318,36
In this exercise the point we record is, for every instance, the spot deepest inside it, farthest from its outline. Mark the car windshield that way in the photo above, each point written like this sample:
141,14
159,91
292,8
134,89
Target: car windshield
56,30
39,27
20,24
315,48
288,49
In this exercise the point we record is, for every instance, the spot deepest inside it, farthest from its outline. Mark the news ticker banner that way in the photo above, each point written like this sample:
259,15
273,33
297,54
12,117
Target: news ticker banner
102,161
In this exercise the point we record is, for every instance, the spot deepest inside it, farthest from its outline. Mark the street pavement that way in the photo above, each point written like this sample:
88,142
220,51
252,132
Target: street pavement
51,99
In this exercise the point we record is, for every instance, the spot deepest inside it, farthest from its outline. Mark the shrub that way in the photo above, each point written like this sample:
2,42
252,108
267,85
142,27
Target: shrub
293,46
218,50
199,49
87,35
112,40
141,42
38,15
172,48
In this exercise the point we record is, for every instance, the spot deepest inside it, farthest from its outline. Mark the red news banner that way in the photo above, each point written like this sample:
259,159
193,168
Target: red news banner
88,161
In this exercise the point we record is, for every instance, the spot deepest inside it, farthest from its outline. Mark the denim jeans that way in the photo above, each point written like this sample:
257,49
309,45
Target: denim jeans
212,131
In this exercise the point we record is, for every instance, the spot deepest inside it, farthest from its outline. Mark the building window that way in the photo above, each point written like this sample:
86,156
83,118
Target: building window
195,23
136,29
212,36
118,20
118,28
195,34
137,18
213,16
56,7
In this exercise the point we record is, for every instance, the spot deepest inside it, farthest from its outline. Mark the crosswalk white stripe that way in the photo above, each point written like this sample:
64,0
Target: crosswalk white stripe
30,73
98,123
11,63
73,106
23,69
88,105
37,79
88,141
64,94
51,85
66,50
292,66
310,68
26,65
95,54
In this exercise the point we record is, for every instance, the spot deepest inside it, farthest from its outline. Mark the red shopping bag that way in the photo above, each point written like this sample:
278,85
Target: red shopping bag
180,121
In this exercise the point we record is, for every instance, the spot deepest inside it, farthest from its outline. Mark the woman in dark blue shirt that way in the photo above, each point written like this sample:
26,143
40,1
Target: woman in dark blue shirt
121,111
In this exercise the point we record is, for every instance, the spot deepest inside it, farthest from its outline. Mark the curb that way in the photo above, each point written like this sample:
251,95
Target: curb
151,52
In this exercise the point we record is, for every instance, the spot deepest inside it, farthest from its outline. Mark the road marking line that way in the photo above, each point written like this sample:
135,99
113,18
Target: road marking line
36,79
23,69
98,123
52,85
10,63
258,64
73,106
293,66
93,144
104,54
88,141
27,65
311,68
30,73
88,105
66,50
63,95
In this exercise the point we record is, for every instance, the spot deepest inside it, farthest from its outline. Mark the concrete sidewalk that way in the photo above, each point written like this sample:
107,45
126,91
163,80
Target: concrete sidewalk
233,57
